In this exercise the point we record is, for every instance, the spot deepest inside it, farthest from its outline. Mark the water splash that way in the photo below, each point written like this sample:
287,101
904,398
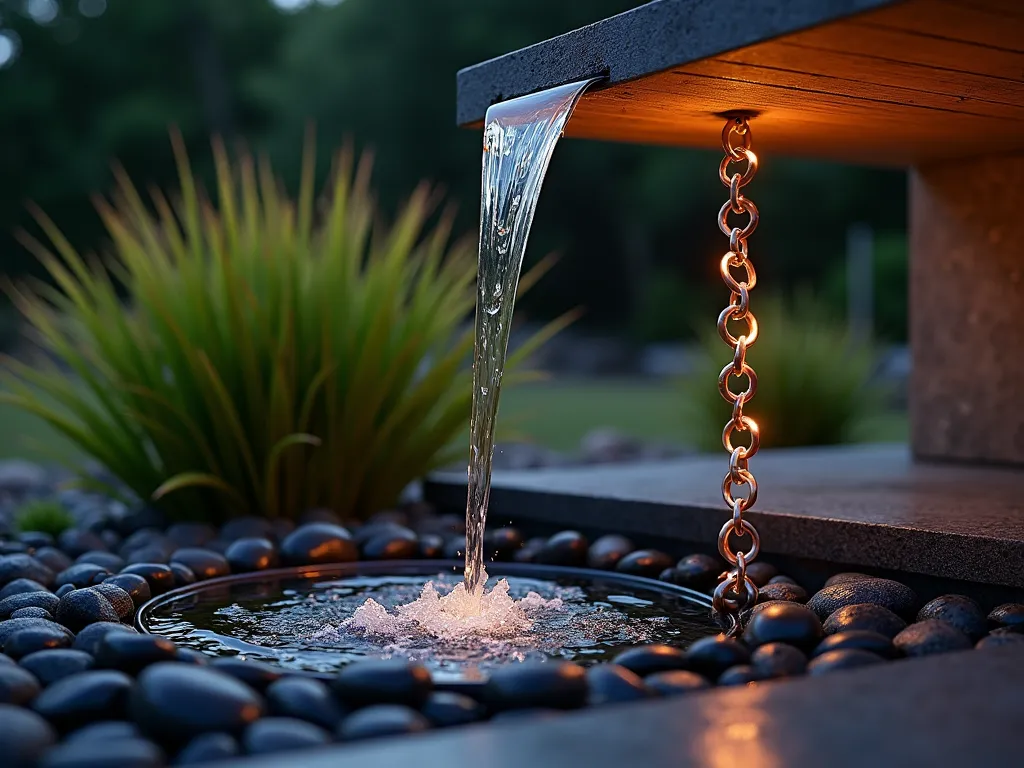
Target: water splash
519,138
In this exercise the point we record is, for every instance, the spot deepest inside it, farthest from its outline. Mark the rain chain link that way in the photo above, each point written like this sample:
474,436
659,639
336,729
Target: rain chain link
737,591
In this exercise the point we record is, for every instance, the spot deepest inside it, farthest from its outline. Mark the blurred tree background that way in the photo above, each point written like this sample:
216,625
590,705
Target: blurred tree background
86,82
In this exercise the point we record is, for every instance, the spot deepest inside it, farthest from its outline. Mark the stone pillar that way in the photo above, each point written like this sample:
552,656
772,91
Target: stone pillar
967,310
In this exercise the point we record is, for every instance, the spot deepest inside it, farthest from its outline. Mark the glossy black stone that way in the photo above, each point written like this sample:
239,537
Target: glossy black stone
402,545
959,611
383,682
431,546
446,708
778,660
606,551
108,560
133,653
503,543
248,555
783,622
95,753
317,543
85,698
191,656
564,548
32,639
77,541
647,659
183,575
158,575
645,562
81,575
381,720
455,548
304,698
176,702
209,748
931,636
1007,615
898,598
793,593
699,571
676,682
53,665
183,535
249,527
761,572
88,639
22,566
711,656
1001,637
530,550
613,684
864,616
25,736
10,626
17,686
204,563
36,539
550,684
20,587
741,674
858,639
64,589
82,607
255,674
844,658
282,734
32,613
45,600
105,730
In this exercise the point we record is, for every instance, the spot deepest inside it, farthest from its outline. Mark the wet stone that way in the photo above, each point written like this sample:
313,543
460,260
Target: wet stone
318,543
82,607
88,639
612,684
108,560
761,573
741,674
784,622
21,566
45,600
193,657
159,554
778,660
711,656
36,539
431,546
82,575
32,639
64,589
455,548
304,698
32,613
929,637
282,734
792,593
53,665
698,572
25,736
104,731
503,543
20,587
898,598
858,639
567,548
17,686
645,562
248,555
1007,615
77,541
209,748
186,535
959,611
604,554
445,708
158,575
864,616
554,685
10,626
1000,638
204,563
844,658
255,674
133,653
85,698
676,682
383,682
179,701
392,546
381,720
13,547
648,659
137,753
183,575
118,598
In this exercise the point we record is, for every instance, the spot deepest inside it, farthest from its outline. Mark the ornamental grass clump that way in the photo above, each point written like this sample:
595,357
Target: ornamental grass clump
273,354
814,383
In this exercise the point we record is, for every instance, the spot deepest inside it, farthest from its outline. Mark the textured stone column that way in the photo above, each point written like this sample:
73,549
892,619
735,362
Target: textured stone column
967,310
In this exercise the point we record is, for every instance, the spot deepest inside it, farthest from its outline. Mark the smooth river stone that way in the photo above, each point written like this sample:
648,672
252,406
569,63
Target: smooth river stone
209,748
859,639
999,638
381,720
612,684
134,585
392,546
81,575
118,598
699,572
53,559
32,613
564,548
282,734
85,698
782,591
446,708
645,562
53,665
252,554
503,543
249,527
45,600
159,576
17,686
926,638
108,560
761,573
25,736
257,674
318,543
1007,615
190,534
865,616
204,563
606,551
784,622
21,586
711,656
778,660
104,730
82,607
844,658
305,698
898,598
77,541
10,626
676,682
32,639
741,674
133,653
183,575
431,546
645,660
21,566
88,640
548,684
392,681
959,611
137,753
